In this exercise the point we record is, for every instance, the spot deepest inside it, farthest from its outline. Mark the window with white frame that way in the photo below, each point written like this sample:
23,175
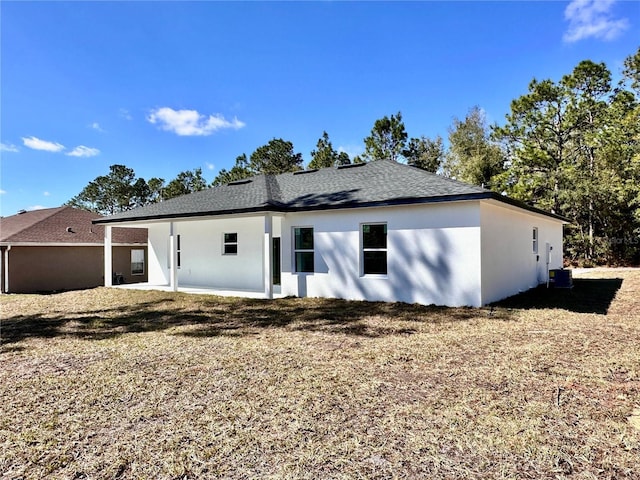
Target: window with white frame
137,261
303,249
374,249
230,244
534,237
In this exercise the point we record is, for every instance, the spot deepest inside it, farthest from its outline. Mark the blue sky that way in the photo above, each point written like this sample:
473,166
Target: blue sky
163,87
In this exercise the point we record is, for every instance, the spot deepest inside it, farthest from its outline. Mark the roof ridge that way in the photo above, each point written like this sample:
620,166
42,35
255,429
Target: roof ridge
274,194
54,211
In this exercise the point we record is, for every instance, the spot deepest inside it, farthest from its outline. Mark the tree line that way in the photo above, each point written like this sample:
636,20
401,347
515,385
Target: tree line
570,146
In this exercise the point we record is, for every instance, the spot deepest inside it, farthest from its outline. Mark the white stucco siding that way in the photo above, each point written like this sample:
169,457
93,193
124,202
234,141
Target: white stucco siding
509,264
158,247
433,254
203,263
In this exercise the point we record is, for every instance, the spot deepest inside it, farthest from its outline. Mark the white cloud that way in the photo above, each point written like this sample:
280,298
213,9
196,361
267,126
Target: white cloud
96,126
37,144
190,122
46,194
8,147
2,192
36,207
210,166
351,150
592,18
82,151
124,113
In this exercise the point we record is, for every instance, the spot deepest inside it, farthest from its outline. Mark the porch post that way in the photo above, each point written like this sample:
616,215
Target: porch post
173,258
268,256
5,265
108,257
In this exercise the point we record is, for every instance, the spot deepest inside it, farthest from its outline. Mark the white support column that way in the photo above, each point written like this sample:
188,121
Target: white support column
6,269
108,257
173,258
268,256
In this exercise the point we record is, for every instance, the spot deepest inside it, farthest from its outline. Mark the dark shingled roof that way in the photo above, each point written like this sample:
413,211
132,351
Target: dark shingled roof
376,183
62,225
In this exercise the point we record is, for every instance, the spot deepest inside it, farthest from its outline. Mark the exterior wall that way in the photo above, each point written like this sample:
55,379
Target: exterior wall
461,253
158,244
202,261
509,265
121,261
433,254
54,268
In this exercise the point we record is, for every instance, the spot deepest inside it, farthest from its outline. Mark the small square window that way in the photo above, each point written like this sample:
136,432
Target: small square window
230,244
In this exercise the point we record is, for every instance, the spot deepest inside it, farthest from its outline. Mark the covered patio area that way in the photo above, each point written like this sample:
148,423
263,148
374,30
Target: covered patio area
237,256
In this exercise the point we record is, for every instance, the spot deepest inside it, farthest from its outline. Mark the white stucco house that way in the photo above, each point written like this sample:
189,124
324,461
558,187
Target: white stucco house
378,231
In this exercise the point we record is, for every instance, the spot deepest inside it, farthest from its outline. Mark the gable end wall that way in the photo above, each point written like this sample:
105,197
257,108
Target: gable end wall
509,265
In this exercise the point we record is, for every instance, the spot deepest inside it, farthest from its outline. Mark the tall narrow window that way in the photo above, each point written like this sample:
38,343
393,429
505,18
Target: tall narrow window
137,261
230,244
535,239
178,249
177,253
374,249
303,249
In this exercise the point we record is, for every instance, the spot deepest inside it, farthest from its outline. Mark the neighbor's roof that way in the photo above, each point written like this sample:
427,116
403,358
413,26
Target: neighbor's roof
62,225
370,184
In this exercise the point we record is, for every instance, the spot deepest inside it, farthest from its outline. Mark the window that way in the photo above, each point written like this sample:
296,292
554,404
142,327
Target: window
374,249
177,252
137,261
303,249
230,244
535,239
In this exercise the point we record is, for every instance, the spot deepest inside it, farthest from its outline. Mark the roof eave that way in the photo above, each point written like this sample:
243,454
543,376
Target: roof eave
524,206
175,216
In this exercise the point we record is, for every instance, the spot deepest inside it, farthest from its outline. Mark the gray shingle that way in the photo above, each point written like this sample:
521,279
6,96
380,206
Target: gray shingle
376,183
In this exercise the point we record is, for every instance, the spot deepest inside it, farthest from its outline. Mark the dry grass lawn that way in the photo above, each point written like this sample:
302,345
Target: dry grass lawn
110,383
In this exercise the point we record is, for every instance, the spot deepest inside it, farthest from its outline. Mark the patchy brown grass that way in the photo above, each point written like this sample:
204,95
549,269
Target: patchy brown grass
110,383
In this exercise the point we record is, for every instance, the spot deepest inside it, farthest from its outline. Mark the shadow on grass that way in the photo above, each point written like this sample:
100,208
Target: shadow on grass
588,295
215,316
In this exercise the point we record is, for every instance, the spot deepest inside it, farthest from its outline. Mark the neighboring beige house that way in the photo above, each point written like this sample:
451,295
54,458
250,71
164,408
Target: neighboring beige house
58,249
